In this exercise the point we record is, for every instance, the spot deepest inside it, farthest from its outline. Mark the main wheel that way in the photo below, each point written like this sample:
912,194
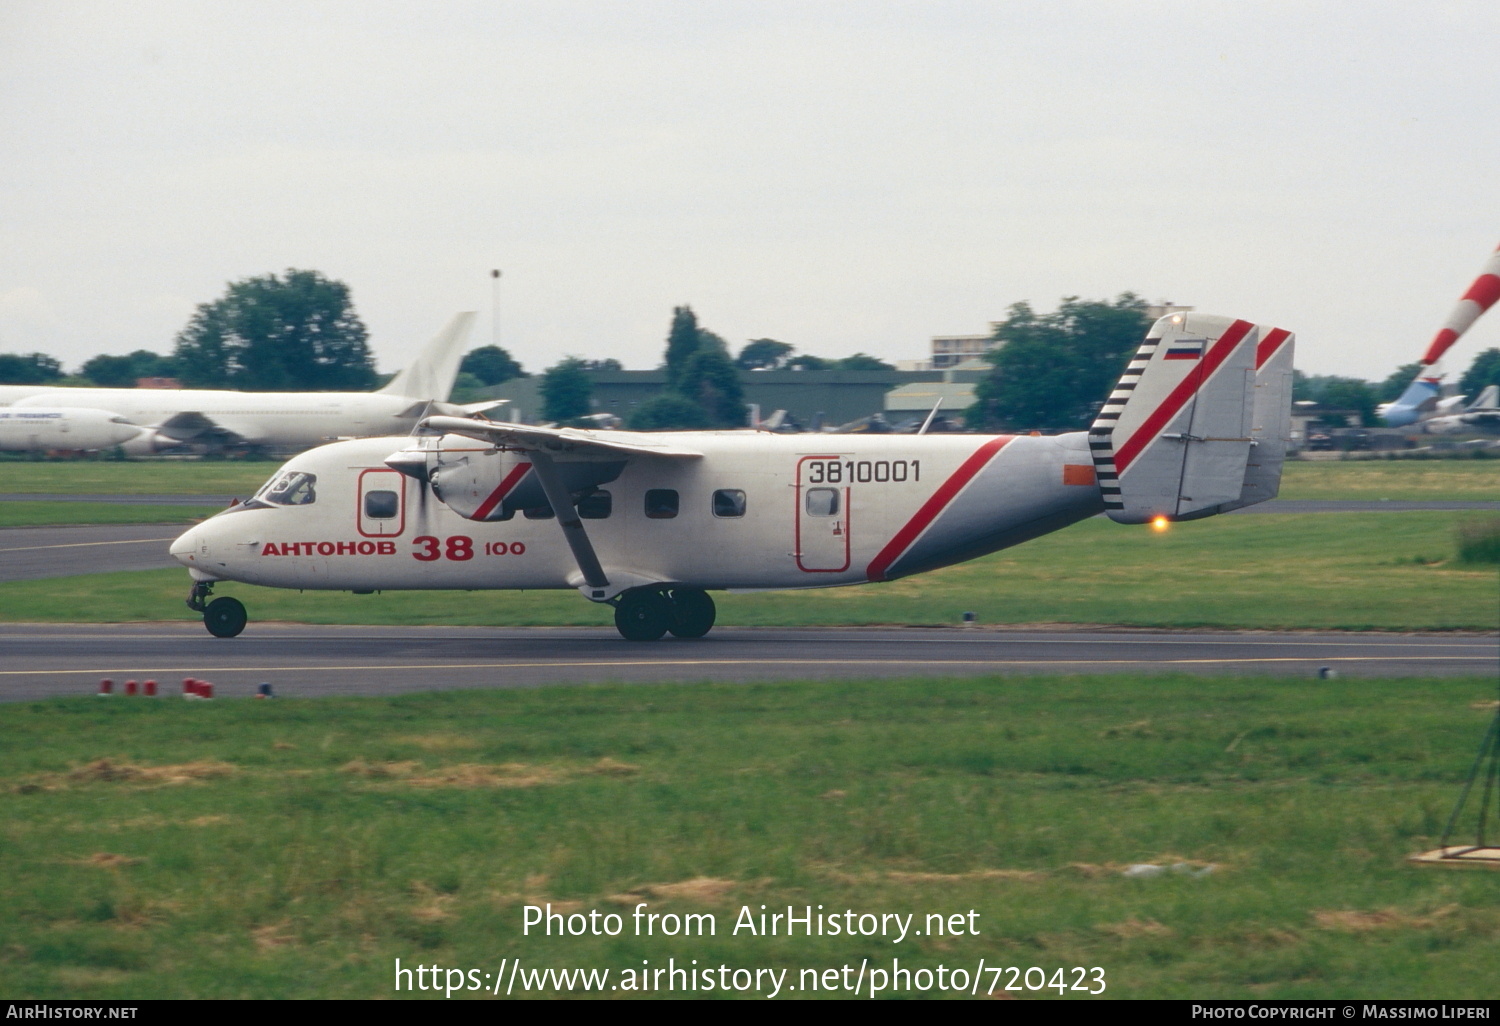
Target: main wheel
643,615
692,613
225,617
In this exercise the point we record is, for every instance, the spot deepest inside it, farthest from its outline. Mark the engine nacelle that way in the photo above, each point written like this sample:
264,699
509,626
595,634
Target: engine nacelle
480,482
148,442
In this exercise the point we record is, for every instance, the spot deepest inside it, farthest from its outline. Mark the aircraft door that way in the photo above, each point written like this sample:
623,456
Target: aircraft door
822,516
382,503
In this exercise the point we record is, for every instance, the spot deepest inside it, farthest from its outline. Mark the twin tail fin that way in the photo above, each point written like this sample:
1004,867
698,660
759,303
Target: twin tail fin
1199,423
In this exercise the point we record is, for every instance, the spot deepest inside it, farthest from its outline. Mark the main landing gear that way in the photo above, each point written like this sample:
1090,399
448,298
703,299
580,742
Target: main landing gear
224,617
645,614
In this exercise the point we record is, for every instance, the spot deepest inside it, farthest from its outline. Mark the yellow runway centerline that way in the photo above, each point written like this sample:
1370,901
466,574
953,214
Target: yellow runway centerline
616,664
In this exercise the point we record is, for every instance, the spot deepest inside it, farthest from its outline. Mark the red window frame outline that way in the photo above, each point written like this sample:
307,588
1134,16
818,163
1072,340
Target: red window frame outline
797,519
359,503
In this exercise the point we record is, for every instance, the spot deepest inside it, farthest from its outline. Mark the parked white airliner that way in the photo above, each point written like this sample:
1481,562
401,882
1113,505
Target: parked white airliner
11,393
650,523
44,428
218,418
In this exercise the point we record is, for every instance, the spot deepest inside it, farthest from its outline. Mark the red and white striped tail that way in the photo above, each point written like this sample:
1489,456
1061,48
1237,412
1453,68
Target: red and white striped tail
1482,295
1199,423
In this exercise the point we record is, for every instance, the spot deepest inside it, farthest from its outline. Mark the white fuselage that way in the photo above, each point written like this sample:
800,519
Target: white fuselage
13,393
803,511
258,418
42,428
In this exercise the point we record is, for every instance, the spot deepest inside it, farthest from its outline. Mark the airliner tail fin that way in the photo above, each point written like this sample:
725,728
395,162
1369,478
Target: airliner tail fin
431,373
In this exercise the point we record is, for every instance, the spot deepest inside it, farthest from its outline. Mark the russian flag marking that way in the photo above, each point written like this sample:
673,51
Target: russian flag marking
1184,349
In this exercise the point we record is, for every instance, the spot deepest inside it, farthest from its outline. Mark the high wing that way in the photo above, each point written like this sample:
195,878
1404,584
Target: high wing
559,441
528,467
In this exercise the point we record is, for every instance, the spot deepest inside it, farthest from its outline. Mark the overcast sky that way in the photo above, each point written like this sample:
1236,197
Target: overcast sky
845,177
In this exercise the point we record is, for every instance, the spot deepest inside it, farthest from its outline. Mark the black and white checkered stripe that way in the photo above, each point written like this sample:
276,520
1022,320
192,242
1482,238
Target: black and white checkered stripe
1101,434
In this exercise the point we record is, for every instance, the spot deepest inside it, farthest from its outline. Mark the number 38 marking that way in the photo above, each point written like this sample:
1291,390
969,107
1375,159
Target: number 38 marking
460,547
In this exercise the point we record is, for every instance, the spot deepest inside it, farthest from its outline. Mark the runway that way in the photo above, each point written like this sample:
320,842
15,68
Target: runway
45,660
29,553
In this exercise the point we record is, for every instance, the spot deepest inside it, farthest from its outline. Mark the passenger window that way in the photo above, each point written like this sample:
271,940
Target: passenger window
381,505
596,505
729,502
661,503
537,513
822,502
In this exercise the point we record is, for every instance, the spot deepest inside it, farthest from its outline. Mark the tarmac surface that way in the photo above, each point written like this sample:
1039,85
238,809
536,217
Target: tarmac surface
28,553
47,660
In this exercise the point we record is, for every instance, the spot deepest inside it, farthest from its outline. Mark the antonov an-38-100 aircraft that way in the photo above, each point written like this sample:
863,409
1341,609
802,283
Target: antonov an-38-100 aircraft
651,523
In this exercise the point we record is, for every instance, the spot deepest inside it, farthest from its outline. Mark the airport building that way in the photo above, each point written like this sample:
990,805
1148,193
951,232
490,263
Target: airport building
950,351
828,397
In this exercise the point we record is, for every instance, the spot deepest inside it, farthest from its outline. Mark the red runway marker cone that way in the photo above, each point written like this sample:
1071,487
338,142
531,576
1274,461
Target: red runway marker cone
130,687
106,686
205,689
150,689
189,687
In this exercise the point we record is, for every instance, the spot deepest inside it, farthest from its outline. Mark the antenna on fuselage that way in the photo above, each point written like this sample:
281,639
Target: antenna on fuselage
931,416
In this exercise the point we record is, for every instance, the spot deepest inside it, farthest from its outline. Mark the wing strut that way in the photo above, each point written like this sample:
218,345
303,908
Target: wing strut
568,519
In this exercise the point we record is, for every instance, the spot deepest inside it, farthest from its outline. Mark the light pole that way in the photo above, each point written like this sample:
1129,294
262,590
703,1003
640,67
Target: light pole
495,307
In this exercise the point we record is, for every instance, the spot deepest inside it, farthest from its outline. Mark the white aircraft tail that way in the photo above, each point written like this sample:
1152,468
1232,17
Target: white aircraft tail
1489,399
1200,422
430,374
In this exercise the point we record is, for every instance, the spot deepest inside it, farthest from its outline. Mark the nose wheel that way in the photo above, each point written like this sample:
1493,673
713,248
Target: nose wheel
225,617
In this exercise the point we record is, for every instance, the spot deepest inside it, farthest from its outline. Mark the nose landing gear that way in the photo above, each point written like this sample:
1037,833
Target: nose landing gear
224,617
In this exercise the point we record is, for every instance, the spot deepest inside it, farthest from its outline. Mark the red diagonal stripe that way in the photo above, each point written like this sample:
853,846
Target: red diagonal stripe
1484,291
933,506
1164,413
1439,345
1269,345
511,480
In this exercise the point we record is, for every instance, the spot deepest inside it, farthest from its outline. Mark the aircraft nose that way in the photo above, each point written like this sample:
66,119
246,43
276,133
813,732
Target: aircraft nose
188,546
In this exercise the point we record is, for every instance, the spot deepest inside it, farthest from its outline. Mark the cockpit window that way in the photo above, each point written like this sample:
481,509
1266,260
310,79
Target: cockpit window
293,488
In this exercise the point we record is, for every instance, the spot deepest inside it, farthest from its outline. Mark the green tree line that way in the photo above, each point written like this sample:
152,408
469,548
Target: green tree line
297,331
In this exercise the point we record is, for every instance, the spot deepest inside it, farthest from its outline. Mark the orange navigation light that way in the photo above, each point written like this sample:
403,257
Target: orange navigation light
1160,523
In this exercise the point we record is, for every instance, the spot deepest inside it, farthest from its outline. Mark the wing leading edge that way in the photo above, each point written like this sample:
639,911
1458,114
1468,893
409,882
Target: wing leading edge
559,441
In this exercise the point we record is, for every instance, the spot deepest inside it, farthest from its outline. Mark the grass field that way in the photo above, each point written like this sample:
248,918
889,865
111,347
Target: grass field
1473,480
296,848
146,477
1387,571
43,513
1354,479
